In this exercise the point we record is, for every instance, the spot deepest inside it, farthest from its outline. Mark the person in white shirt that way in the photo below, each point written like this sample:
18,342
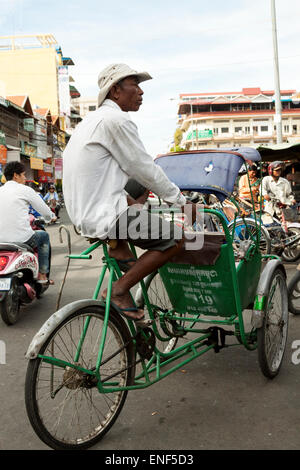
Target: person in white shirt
52,200
275,186
103,153
15,200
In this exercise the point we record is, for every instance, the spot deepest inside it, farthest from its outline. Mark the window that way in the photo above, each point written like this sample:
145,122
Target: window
224,130
264,128
238,129
294,128
92,108
247,130
216,130
286,128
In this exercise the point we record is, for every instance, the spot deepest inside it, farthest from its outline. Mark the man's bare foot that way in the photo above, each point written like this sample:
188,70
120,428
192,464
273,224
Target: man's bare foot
123,254
124,302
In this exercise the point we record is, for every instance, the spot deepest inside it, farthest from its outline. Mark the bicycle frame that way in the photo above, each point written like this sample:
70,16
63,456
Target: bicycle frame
206,339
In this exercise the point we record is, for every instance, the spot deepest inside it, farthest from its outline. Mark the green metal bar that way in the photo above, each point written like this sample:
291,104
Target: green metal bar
105,323
60,363
102,387
87,321
86,253
99,283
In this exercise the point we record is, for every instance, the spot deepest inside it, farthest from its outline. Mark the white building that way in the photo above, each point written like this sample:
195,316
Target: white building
228,119
84,105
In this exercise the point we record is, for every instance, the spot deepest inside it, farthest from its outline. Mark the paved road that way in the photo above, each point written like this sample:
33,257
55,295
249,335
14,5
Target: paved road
219,401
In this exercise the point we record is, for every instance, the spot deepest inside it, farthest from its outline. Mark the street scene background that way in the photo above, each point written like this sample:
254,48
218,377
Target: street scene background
218,401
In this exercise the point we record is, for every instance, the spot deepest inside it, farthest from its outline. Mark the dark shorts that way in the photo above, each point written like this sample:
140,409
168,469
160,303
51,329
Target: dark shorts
143,229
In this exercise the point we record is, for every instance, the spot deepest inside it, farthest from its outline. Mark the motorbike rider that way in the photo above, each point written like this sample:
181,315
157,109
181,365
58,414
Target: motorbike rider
52,199
15,200
275,186
244,188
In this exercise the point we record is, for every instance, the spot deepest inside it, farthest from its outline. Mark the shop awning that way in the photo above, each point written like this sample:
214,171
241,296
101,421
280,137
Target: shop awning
74,92
285,151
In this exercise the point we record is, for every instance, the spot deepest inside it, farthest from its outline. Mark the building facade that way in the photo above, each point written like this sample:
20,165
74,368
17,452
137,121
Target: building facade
34,65
31,136
245,118
36,114
84,105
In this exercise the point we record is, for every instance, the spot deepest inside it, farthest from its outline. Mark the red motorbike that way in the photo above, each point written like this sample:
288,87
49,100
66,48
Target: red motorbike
19,270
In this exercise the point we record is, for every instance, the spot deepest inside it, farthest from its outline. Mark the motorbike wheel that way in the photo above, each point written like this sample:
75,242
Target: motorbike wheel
10,306
292,253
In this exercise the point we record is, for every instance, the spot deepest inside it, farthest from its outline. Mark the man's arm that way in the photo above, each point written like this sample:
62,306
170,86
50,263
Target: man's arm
289,193
39,205
128,150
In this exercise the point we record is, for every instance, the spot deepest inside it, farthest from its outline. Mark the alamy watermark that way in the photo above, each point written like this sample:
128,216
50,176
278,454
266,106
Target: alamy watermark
296,353
136,223
2,353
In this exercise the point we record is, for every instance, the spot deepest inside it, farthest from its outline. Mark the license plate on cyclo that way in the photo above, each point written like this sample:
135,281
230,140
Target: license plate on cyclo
5,283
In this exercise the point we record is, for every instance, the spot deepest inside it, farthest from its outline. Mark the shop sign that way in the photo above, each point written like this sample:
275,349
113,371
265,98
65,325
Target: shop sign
58,163
47,168
36,163
29,124
200,134
2,138
3,154
29,150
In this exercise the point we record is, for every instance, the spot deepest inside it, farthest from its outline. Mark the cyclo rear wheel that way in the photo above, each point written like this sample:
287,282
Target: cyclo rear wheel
272,336
64,406
160,302
247,231
294,293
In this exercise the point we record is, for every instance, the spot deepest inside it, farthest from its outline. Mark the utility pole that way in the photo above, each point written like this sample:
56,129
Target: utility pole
278,114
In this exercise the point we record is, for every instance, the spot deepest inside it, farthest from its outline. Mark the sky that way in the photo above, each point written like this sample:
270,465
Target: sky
197,46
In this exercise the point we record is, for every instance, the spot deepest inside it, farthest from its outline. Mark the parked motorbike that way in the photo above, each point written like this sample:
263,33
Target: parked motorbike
19,270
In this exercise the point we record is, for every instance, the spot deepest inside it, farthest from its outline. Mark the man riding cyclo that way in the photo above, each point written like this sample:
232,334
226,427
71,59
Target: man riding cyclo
276,190
104,152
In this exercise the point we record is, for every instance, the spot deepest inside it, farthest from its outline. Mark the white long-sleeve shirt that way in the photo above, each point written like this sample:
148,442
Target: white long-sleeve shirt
15,199
280,189
103,152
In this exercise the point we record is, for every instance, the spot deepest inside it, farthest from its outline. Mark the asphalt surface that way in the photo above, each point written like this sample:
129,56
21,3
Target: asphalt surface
218,401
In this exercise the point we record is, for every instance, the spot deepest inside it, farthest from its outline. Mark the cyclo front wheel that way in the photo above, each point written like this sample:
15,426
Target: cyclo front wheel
63,404
272,336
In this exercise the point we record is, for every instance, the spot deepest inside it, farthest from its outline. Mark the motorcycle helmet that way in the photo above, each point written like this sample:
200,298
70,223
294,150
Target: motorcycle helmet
274,166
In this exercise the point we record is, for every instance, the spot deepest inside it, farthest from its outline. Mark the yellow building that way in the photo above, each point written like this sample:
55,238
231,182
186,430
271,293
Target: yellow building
31,65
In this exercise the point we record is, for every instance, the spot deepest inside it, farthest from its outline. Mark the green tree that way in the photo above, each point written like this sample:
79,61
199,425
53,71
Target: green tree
177,141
